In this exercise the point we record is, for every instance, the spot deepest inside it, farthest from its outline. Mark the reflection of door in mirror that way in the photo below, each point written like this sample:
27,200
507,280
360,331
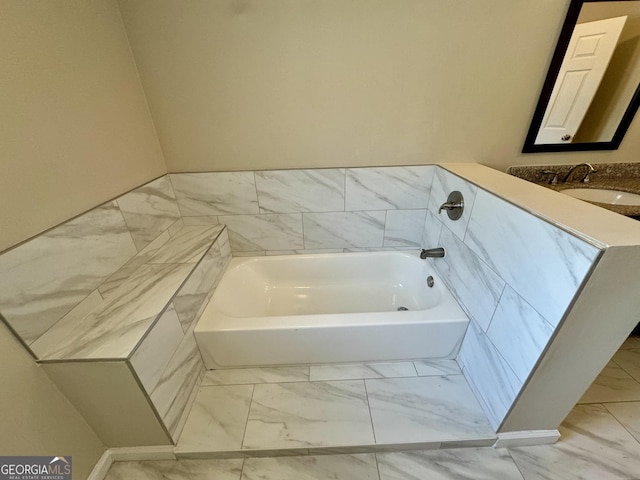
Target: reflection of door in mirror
589,52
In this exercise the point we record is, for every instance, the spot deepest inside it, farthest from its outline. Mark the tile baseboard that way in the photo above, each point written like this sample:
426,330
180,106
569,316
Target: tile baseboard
526,438
102,467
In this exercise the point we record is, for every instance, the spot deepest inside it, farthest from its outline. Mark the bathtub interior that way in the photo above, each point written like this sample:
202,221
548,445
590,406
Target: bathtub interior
325,284
329,308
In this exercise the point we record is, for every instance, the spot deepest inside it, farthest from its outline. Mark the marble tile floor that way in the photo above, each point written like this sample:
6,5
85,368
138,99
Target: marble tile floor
339,408
600,437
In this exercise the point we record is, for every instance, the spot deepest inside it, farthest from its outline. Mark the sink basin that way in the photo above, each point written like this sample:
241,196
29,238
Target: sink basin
601,195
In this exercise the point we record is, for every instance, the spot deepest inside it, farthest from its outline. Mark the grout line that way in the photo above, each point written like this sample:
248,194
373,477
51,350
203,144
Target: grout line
285,382
246,423
624,369
344,190
244,461
304,235
495,309
375,456
515,463
373,428
604,405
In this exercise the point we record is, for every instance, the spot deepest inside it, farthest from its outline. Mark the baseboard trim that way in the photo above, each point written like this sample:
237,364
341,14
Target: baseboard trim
166,452
129,454
102,467
526,438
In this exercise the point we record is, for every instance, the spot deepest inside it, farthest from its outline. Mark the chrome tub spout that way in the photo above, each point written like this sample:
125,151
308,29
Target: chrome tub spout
432,253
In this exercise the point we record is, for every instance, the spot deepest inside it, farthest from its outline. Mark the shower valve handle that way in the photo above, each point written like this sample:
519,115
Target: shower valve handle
454,205
449,206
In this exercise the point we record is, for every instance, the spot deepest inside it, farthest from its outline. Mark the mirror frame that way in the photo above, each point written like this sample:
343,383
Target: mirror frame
556,62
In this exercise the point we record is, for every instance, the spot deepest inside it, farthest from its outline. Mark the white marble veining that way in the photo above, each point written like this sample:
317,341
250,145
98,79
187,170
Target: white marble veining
308,414
173,389
176,227
593,446
425,409
476,286
361,370
122,274
547,276
45,278
629,360
403,228
431,231
222,193
612,385
240,376
152,356
519,333
149,210
628,414
490,377
344,229
455,464
443,184
427,368
292,191
264,232
201,220
114,329
217,419
351,467
386,188
186,246
176,470
92,302
597,442
202,282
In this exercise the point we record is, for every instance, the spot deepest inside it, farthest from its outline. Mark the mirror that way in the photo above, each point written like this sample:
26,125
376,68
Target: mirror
592,89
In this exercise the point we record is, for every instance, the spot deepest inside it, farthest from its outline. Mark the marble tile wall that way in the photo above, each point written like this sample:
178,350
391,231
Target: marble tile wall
514,274
45,278
316,210
69,270
167,361
114,269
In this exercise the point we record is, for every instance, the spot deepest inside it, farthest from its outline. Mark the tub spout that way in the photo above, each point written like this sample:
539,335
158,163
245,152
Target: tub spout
432,253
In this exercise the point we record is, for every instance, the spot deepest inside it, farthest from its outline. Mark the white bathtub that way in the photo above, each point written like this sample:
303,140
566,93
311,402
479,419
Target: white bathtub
325,308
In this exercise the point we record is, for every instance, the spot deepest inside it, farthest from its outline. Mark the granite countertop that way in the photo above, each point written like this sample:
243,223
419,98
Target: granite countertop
614,176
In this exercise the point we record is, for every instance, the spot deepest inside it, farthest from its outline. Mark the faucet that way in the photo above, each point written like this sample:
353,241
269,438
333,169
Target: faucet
584,179
552,180
432,253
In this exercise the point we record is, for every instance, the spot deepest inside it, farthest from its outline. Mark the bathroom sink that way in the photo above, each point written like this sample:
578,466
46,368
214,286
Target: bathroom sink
601,195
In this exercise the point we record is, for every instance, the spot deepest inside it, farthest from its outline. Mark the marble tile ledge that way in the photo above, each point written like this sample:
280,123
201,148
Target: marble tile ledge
111,327
624,177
